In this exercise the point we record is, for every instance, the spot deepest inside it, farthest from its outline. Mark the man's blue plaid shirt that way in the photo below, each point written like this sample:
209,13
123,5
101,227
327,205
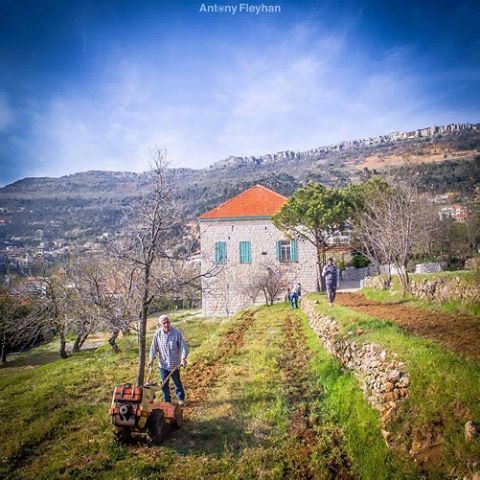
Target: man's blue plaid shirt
171,348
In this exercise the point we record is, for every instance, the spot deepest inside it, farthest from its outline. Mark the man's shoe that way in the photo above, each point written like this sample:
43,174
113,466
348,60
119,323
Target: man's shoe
182,403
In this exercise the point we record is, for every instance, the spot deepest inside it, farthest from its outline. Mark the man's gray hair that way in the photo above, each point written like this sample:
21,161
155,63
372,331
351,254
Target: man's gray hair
161,318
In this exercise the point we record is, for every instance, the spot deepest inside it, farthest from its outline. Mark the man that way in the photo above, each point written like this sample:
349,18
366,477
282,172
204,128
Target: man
172,351
331,278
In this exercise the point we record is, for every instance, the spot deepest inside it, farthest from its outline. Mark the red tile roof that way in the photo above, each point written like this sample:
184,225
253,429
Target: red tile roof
257,201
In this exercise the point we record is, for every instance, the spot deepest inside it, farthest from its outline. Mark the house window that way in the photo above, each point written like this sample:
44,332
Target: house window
220,253
287,251
245,249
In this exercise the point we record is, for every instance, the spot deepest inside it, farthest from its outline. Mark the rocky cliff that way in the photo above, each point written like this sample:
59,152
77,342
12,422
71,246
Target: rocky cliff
322,152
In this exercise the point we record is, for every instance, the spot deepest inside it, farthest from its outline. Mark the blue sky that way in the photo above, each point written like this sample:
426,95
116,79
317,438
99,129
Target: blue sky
98,84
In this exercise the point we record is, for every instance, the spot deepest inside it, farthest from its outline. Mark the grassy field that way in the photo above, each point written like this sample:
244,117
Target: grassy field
444,394
265,401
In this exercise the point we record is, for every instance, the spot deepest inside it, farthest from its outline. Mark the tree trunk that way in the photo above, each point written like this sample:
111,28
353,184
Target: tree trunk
403,277
76,343
386,278
63,344
321,286
80,340
142,331
4,350
113,341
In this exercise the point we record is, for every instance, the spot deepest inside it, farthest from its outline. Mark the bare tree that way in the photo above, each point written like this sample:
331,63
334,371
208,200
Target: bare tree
86,275
370,230
154,226
272,280
51,309
12,309
387,224
428,238
252,287
402,220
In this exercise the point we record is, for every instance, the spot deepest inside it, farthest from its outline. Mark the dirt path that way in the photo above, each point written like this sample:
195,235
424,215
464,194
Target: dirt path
461,333
300,395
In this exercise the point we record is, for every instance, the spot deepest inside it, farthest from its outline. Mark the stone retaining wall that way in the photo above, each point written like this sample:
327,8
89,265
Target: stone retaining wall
431,267
383,379
438,289
472,263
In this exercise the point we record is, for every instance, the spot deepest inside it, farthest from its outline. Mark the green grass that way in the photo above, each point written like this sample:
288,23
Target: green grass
444,388
55,423
342,405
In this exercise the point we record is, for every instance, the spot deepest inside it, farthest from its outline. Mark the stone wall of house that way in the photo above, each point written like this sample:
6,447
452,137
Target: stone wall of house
227,292
382,378
438,288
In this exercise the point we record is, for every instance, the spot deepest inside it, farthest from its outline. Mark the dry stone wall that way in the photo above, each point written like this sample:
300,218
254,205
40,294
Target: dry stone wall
438,289
383,379
431,267
472,263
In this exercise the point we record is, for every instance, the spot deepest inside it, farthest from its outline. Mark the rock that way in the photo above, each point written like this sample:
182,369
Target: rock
386,436
404,381
393,376
403,392
388,386
472,430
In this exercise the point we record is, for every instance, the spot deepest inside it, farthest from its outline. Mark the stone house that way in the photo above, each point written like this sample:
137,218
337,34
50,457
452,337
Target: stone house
239,241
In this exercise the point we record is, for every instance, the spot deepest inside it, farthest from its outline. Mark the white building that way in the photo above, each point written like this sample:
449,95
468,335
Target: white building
239,241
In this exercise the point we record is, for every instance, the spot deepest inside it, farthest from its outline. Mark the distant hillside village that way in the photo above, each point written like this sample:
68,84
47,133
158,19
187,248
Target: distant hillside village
20,254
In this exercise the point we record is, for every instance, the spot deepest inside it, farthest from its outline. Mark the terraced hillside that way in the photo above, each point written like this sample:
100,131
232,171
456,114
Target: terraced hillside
265,400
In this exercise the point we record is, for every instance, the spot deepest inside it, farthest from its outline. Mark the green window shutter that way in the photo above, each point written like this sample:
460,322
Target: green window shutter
220,253
245,249
278,250
293,251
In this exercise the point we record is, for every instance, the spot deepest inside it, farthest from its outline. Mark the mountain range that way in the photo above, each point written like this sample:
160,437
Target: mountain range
88,204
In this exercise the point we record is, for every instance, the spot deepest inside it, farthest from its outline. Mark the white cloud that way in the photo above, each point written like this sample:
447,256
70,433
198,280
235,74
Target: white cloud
308,90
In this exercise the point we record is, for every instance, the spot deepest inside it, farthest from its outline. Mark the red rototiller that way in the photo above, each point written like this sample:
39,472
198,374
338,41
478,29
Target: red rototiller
134,410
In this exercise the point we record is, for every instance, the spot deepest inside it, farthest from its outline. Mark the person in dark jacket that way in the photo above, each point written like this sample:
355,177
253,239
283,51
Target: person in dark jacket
330,273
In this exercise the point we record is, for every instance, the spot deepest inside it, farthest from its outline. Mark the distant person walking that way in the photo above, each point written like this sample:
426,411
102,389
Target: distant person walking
330,273
295,295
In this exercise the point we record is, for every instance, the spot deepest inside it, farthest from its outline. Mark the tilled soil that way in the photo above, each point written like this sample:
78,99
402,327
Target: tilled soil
460,333
203,375
201,379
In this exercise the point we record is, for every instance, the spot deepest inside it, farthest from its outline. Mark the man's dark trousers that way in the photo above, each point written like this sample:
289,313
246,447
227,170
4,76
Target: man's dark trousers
331,291
294,300
179,391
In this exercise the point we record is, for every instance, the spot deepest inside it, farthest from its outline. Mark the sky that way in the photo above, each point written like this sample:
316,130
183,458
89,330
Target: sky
98,85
